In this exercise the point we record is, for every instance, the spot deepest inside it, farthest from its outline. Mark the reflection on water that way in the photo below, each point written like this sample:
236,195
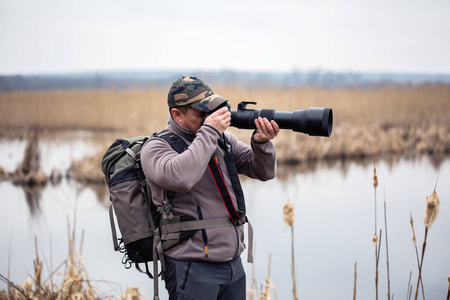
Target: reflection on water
32,196
334,223
286,171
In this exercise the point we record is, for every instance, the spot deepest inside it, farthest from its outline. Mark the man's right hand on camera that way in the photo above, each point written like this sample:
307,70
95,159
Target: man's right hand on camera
220,119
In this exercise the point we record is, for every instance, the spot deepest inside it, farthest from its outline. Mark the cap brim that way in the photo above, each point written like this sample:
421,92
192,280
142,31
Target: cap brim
209,103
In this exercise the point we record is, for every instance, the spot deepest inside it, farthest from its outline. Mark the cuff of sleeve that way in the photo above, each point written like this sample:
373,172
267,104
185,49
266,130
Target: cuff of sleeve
206,125
253,140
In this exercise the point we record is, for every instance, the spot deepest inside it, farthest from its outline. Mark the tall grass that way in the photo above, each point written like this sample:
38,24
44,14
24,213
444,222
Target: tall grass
75,282
387,252
145,108
448,292
354,281
366,121
71,283
376,240
431,214
81,109
288,217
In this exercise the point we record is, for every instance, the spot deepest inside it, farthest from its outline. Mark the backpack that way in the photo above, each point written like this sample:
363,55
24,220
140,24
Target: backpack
138,218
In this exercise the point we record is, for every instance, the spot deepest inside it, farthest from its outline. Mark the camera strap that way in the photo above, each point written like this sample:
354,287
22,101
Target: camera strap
238,214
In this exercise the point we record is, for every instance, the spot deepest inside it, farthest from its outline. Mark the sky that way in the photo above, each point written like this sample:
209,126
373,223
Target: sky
61,36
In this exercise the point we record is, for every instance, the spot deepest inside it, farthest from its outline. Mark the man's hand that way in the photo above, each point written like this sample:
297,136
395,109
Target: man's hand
265,130
220,120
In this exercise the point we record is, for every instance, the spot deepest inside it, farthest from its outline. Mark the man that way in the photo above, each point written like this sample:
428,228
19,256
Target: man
206,264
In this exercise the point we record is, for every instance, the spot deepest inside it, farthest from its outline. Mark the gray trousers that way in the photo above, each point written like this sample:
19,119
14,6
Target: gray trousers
198,280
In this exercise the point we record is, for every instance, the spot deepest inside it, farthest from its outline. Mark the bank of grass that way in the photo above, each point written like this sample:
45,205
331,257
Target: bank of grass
71,283
376,121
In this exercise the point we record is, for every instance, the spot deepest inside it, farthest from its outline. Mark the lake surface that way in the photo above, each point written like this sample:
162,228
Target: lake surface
333,229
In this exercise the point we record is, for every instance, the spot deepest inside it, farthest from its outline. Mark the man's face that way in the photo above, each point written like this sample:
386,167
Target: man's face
190,120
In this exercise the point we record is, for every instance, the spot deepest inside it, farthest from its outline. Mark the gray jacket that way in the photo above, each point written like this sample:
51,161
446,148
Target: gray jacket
187,174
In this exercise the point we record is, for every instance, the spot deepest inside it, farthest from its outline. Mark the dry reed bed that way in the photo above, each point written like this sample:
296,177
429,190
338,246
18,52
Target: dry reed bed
348,142
73,283
144,111
386,120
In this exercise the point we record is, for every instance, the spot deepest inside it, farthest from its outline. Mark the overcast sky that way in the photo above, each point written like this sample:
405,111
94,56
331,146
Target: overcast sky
58,36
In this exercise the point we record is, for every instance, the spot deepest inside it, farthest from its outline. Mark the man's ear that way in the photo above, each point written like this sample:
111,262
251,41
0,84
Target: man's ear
175,114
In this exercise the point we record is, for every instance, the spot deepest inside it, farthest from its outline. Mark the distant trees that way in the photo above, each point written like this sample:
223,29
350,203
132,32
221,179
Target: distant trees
123,80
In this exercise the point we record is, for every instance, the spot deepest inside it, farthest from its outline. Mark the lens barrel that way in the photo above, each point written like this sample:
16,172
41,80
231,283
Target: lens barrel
314,121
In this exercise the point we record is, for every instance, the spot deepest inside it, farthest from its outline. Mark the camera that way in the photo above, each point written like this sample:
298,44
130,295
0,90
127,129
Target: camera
314,121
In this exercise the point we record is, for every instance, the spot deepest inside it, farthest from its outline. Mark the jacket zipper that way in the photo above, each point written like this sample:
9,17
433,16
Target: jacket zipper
204,235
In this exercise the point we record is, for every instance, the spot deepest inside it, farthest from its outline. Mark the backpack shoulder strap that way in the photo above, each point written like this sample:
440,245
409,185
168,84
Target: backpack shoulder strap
179,145
174,140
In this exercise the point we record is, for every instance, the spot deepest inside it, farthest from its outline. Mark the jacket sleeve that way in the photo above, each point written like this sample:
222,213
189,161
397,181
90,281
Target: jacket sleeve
257,161
178,172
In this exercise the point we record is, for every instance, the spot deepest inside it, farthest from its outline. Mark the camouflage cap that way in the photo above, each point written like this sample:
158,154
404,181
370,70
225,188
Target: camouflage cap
190,90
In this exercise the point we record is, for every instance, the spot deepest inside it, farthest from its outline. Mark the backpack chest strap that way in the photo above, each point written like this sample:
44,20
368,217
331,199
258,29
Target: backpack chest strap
194,225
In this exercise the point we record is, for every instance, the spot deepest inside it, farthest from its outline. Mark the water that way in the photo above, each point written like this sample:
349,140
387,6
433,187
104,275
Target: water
333,229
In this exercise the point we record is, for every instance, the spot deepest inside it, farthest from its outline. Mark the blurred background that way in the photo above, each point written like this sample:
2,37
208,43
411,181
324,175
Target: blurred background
75,76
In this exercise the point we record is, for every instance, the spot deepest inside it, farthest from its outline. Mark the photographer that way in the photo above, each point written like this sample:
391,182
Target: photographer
202,183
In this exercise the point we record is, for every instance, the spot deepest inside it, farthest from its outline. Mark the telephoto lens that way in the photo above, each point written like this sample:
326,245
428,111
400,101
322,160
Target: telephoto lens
315,121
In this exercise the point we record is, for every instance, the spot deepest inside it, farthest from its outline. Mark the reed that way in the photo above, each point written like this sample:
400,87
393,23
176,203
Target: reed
29,172
288,216
252,289
354,283
4,175
376,239
414,240
448,292
87,170
268,285
377,260
387,250
265,292
375,185
409,289
132,293
75,284
431,214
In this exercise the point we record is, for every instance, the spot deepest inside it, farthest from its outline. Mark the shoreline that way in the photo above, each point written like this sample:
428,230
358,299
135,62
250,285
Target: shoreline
294,150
